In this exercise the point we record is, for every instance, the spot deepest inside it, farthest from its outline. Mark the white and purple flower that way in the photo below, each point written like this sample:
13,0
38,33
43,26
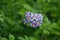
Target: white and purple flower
33,19
34,24
29,16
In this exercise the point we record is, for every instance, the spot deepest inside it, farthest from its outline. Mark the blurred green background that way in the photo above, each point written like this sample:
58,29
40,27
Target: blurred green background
12,12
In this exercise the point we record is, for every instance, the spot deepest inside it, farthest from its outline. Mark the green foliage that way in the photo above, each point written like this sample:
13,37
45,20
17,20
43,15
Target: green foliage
27,38
11,37
12,12
3,38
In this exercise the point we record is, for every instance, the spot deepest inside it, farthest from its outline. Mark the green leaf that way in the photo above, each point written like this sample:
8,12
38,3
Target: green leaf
45,23
28,7
22,12
1,38
54,28
26,38
21,38
32,38
11,37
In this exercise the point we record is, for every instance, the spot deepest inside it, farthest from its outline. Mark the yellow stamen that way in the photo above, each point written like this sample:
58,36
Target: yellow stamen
38,23
33,25
28,17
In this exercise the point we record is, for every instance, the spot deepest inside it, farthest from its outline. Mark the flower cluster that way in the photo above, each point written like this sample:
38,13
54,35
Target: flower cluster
33,19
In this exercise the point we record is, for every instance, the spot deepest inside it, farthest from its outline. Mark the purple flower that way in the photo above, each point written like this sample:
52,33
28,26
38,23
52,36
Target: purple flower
34,16
40,17
37,16
29,16
34,24
34,20
39,22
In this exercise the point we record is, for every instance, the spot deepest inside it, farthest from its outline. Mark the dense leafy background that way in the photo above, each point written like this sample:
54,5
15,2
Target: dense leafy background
12,12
